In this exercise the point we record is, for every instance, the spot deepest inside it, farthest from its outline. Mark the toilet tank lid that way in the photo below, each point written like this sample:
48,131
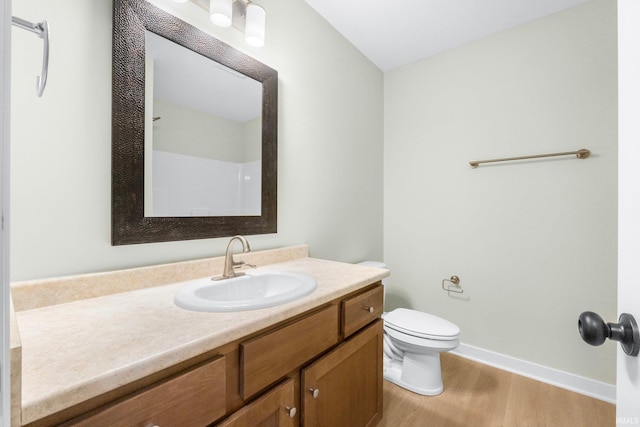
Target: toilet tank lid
417,322
376,264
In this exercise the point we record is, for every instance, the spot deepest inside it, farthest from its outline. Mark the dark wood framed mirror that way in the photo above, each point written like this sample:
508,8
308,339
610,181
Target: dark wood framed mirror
132,19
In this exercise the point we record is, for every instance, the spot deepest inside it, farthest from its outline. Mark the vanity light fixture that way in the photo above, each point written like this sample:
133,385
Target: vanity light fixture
242,14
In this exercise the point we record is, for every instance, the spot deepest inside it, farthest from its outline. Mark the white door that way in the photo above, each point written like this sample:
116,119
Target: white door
628,378
5,51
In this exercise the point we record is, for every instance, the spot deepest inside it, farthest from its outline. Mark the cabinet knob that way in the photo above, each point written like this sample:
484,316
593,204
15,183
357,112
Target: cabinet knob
291,411
369,309
314,392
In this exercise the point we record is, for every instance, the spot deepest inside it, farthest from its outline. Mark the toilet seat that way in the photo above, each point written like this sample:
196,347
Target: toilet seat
421,325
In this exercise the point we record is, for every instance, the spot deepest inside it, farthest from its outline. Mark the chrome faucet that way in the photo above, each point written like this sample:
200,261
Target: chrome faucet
229,264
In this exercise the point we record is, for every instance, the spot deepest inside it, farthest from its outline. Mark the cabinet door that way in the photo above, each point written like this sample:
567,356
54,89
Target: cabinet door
344,387
275,408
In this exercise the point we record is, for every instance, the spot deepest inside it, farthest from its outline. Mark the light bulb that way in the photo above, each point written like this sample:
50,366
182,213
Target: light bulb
220,12
255,26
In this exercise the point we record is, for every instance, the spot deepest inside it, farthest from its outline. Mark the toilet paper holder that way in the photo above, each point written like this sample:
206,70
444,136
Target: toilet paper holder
455,281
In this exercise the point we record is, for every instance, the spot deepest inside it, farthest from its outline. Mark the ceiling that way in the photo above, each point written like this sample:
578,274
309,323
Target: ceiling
395,33
184,77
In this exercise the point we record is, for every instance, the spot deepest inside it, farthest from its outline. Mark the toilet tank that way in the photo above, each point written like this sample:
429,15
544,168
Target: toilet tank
375,264
378,264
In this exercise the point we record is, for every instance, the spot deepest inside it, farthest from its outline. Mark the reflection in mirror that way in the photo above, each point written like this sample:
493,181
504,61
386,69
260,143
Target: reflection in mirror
138,215
203,138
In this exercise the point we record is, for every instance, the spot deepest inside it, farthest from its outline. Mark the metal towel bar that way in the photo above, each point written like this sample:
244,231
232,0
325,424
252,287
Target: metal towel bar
41,29
581,154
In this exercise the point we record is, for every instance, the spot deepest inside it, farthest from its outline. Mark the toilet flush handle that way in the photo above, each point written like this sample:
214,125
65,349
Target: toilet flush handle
595,331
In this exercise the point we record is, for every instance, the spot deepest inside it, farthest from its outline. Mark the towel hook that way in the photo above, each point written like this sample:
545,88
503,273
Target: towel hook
41,29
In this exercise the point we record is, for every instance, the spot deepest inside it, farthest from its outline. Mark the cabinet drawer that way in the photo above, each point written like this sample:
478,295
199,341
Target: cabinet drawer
277,407
362,309
193,398
269,357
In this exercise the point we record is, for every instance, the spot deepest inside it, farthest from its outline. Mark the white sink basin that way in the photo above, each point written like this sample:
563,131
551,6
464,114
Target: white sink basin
256,289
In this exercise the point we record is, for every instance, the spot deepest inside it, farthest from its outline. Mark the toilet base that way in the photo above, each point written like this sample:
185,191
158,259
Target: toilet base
419,373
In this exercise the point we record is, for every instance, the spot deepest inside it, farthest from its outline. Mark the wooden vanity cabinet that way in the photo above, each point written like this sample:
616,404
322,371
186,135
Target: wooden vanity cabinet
322,368
342,387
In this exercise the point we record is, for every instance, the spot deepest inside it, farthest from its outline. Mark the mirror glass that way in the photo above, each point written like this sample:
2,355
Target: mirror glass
194,132
203,135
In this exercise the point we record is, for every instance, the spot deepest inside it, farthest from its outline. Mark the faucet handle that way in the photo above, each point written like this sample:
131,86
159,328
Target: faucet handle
240,263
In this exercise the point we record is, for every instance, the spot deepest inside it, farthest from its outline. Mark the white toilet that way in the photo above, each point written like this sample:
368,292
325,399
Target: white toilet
413,341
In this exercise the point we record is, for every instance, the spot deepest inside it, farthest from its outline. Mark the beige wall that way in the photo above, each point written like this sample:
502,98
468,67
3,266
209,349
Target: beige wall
330,143
184,130
534,243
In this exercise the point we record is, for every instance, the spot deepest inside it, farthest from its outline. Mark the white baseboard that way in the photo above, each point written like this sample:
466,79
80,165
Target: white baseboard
592,388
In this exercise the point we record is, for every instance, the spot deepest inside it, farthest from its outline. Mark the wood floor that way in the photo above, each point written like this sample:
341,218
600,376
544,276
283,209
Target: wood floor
477,395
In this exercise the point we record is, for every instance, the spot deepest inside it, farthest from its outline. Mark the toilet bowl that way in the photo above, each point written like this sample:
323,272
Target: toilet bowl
413,341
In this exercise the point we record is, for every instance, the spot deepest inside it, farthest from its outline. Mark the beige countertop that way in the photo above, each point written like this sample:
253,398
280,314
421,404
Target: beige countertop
77,350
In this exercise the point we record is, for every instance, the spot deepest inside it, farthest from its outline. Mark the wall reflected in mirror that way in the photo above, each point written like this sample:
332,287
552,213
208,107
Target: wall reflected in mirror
203,135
